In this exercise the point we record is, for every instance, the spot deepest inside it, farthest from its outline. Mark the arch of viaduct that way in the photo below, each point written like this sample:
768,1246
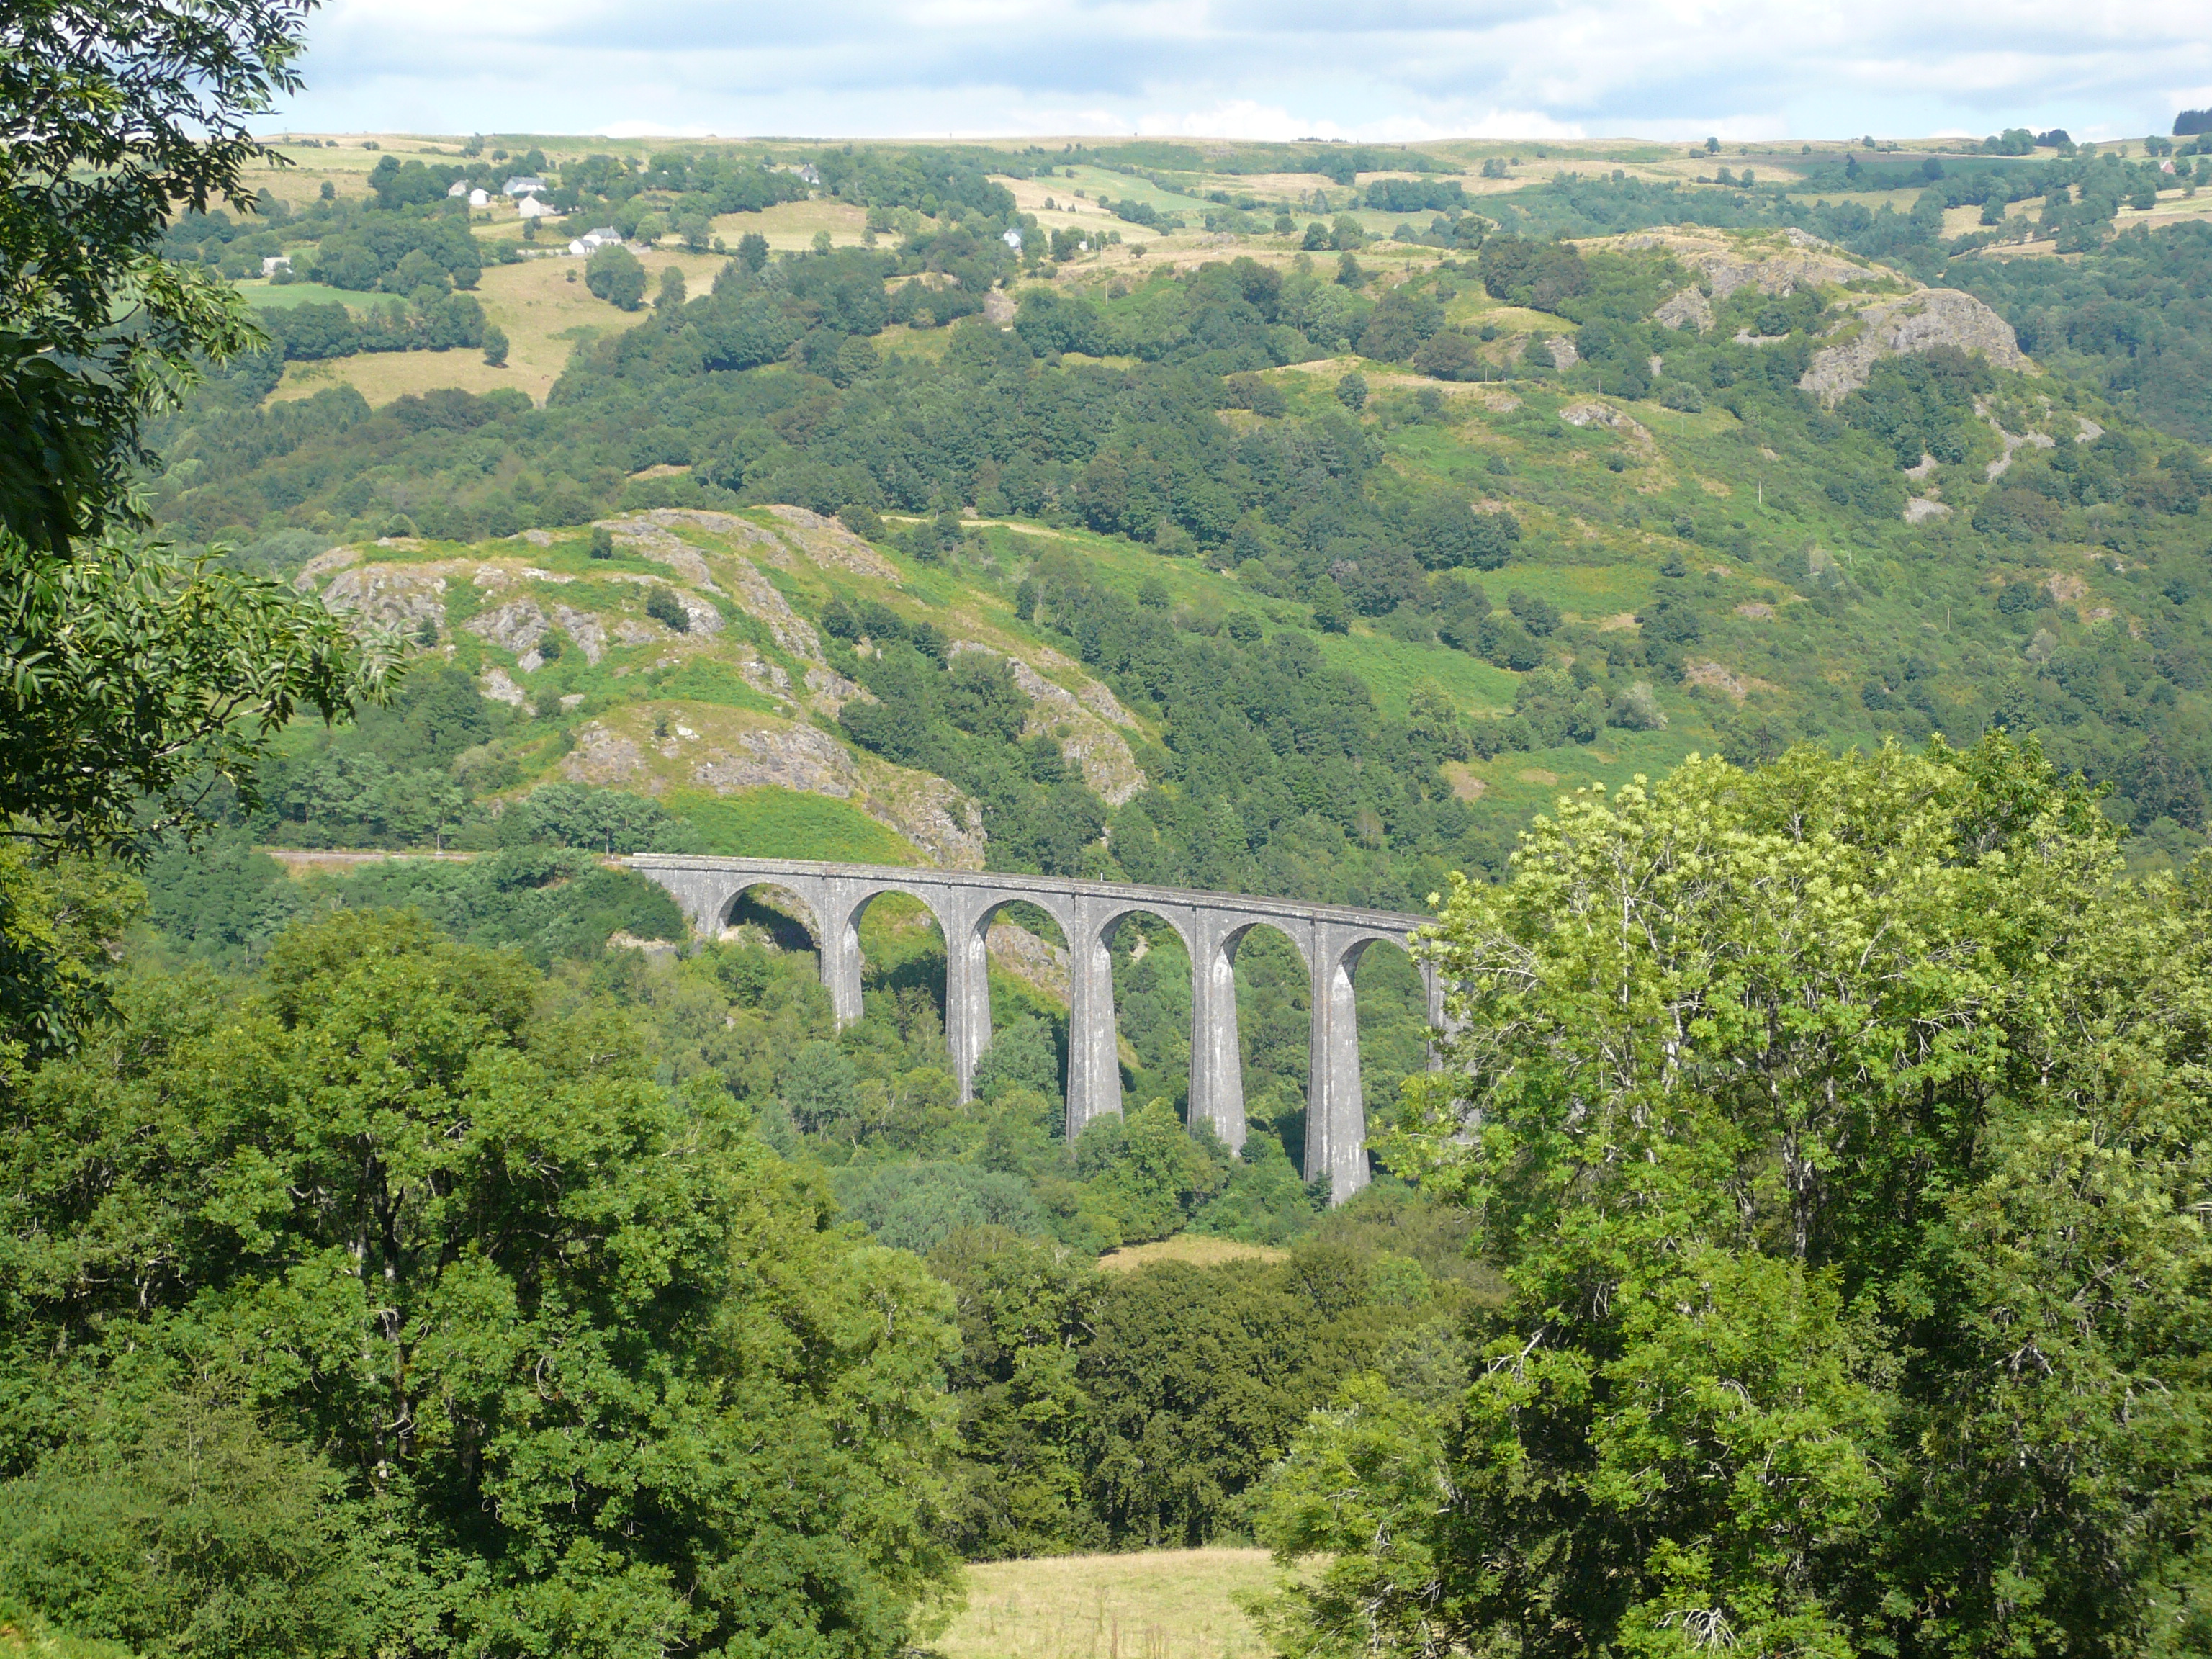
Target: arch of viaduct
1331,939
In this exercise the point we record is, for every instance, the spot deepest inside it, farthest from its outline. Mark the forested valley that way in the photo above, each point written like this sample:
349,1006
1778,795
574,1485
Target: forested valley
1757,603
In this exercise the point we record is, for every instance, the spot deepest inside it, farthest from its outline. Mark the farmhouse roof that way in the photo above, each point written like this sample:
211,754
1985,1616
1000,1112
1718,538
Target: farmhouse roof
525,184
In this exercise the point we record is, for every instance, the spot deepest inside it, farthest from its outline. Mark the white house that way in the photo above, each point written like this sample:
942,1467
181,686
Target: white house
458,187
1012,239
592,240
531,208
483,198
275,262
524,185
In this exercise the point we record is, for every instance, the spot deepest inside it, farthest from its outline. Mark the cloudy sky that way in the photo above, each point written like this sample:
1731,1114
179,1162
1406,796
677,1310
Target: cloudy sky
1272,69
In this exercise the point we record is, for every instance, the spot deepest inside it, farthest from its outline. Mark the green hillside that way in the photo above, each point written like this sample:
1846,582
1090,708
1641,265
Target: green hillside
1288,573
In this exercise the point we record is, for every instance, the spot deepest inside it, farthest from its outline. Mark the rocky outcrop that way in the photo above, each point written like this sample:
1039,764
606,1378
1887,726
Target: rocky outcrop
1086,742
649,538
789,756
1784,262
743,532
1592,413
1917,322
330,559
929,813
499,685
828,543
1734,686
758,595
727,752
763,675
591,637
1089,692
1687,309
515,627
1036,962
401,597
829,691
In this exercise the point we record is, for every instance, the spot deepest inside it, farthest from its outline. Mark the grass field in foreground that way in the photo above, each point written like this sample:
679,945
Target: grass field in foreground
1162,1604
1196,1249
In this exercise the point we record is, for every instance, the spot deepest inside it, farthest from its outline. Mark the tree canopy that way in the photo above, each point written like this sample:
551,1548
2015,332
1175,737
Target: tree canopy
132,682
1837,1128
525,1349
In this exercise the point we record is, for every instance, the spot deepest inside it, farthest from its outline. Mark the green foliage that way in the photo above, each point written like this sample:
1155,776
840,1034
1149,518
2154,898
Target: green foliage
396,255
1261,1201
1538,274
614,274
588,1369
1198,1379
125,116
770,822
961,717
171,672
1921,404
225,903
1146,1172
181,1526
59,919
2134,316
917,1206
1866,1079
1026,1309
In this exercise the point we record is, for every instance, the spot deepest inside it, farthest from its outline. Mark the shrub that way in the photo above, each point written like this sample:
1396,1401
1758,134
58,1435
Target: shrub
664,607
614,274
1450,355
1636,709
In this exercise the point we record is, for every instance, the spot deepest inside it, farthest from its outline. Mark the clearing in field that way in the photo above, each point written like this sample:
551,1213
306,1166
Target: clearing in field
1162,1604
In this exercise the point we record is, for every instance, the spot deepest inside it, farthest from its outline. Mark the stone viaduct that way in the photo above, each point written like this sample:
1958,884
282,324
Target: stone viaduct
1330,938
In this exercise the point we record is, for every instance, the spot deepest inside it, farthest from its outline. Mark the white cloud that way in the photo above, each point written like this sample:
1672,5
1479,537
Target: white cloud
651,130
1254,69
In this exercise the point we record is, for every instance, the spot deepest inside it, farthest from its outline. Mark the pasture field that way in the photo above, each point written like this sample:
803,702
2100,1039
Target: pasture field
1195,1250
1160,1604
545,314
795,225
381,376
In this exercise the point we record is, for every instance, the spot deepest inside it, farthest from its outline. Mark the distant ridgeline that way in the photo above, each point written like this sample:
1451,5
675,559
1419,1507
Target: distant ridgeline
1870,544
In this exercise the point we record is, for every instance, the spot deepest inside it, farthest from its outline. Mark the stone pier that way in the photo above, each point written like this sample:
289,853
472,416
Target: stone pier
1211,925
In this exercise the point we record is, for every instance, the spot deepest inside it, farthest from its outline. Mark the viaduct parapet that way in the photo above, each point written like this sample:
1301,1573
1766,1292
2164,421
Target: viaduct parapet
1330,938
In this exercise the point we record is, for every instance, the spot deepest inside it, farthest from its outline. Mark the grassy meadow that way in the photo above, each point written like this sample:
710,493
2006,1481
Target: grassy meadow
1159,1604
